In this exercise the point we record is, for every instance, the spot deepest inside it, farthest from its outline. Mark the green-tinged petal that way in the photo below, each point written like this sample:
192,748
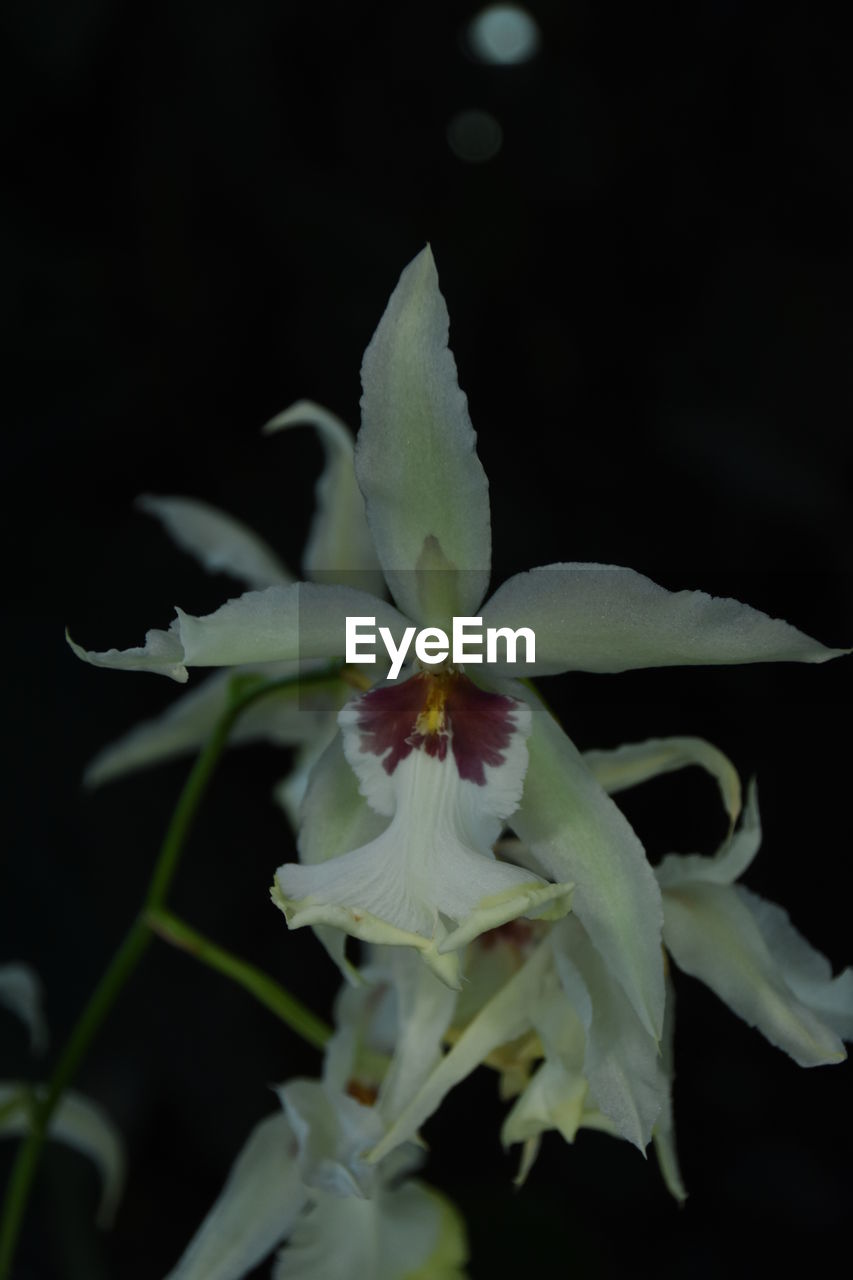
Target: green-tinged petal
806,971
334,1132
637,762
255,1211
576,833
287,718
290,791
339,546
405,1234
416,460
424,1007
730,861
21,991
663,1134
712,934
162,653
621,1061
80,1124
556,1094
505,1017
304,620
594,617
221,543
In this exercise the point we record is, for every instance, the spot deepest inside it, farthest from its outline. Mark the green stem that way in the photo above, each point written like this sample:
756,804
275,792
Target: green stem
264,988
129,952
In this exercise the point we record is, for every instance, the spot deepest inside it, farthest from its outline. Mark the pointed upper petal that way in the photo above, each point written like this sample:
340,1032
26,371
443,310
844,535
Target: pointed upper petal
576,832
254,1212
637,762
21,991
416,459
221,543
339,546
713,935
79,1123
594,617
162,653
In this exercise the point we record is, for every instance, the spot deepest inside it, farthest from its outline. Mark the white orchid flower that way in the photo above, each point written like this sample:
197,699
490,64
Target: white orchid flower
442,761
76,1122
303,1177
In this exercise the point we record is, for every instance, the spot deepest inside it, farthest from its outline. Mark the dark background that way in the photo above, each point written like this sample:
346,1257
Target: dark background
206,208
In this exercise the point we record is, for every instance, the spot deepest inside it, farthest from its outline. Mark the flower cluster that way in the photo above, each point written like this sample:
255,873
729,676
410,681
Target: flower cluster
444,818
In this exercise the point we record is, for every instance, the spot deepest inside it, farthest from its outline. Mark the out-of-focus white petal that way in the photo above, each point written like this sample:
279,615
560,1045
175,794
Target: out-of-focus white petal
637,762
663,1134
448,774
255,1211
410,1233
221,543
287,718
556,1094
621,1061
339,546
162,653
712,934
21,991
79,1123
576,833
416,459
506,1016
594,617
806,971
334,1133
730,861
424,1007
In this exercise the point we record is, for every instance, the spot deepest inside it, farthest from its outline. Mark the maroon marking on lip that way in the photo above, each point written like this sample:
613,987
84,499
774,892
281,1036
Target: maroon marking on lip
481,724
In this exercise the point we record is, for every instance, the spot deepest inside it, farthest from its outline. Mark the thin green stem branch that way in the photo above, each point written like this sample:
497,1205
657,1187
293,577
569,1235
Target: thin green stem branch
259,984
244,694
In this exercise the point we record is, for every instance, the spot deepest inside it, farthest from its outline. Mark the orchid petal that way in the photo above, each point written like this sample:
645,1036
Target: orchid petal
663,1133
621,1061
730,861
21,991
255,1210
593,617
333,1132
162,653
409,1233
79,1123
289,717
221,543
339,546
505,1017
416,459
712,934
637,762
434,861
576,833
424,1008
556,1094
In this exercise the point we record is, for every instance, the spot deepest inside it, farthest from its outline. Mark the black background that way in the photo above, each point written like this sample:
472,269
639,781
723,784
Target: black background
206,208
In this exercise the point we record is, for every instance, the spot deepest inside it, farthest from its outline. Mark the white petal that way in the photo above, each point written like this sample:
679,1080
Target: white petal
730,861
505,1017
593,617
664,1130
162,653
79,1123
410,1233
424,1007
712,934
576,833
806,971
221,543
621,1061
254,1212
339,546
287,718
416,459
637,762
334,1133
556,1094
434,860
21,991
